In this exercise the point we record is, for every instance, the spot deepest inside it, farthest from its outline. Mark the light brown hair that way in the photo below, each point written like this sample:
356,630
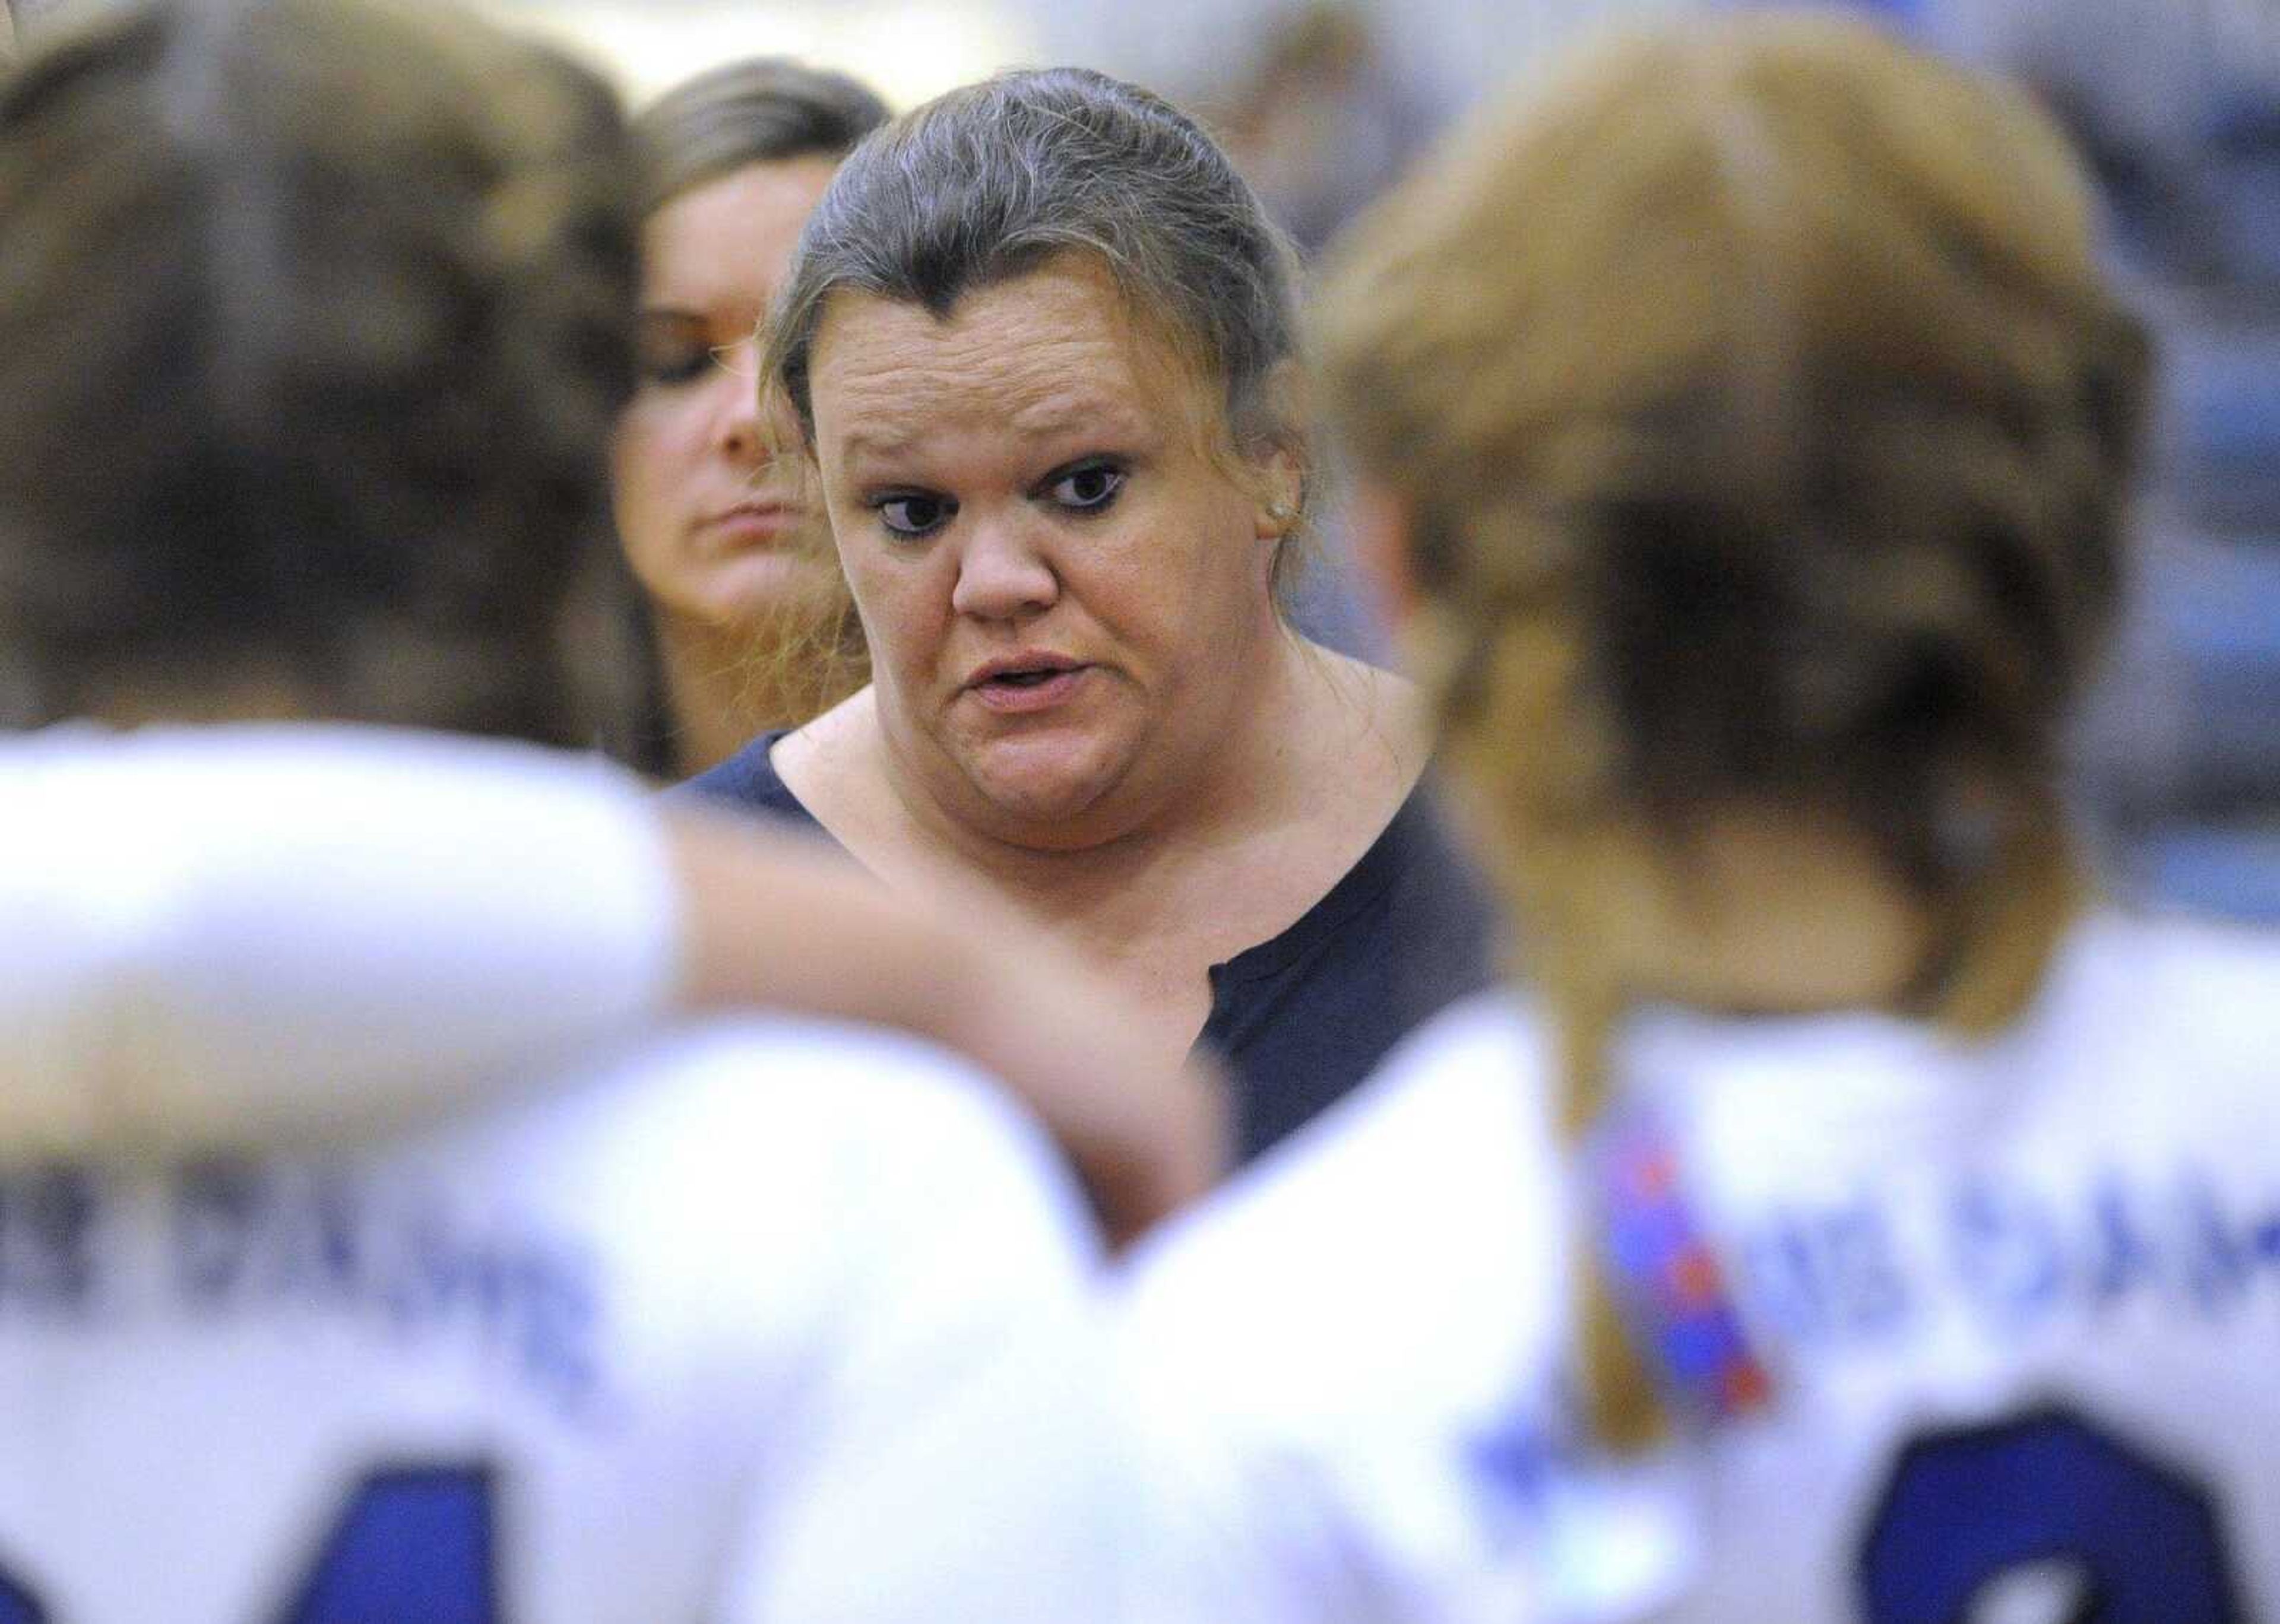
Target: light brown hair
1766,424
804,656
314,319
763,110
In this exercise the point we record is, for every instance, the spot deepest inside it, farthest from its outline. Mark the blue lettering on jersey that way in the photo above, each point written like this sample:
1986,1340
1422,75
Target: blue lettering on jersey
1776,1275
1517,1461
2260,1240
49,1234
2124,1258
2216,1266
2019,1255
1519,1456
2006,1252
263,1236
1829,1275
1871,1292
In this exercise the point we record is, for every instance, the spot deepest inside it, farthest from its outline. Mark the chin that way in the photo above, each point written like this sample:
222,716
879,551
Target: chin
1048,785
764,594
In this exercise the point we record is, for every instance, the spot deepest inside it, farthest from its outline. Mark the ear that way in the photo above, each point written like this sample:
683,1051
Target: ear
1381,533
1282,472
1281,493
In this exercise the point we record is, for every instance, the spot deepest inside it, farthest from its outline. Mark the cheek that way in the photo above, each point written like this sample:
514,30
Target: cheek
654,461
639,451
1209,570
900,630
902,602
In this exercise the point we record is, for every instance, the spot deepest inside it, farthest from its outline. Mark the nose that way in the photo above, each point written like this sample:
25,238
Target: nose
1001,575
739,426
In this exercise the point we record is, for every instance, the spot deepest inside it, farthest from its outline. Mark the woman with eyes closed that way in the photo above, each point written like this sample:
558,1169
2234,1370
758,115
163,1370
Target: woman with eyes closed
1038,342
724,543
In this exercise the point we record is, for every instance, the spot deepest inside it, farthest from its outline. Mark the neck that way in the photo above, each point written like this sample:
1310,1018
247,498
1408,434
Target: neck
718,694
1766,914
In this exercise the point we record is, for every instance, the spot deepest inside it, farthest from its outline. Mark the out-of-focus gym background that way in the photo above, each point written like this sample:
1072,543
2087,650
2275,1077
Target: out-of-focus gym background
2176,103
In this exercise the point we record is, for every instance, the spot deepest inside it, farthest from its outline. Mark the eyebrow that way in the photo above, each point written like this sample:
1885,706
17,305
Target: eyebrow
877,442
1088,416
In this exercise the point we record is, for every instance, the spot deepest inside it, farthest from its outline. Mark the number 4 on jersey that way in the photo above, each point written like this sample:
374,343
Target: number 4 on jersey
415,1542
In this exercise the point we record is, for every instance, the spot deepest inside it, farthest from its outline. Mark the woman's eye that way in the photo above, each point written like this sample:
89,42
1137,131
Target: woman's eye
678,369
679,364
1089,489
909,515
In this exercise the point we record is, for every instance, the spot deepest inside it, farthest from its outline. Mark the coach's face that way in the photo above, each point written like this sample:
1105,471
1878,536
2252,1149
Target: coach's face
1063,575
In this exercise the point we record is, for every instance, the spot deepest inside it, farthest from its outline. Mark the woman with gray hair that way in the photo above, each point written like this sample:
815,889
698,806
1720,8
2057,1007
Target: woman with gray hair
1039,344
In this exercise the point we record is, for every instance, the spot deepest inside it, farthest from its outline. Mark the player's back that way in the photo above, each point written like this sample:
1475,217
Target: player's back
2018,1301
587,1357
2022,1296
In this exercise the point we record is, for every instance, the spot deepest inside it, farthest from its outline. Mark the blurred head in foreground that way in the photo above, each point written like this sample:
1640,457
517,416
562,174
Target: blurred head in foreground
315,317
1746,429
723,535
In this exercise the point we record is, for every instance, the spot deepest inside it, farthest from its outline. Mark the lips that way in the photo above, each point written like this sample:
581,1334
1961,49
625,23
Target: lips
1023,684
1031,665
749,524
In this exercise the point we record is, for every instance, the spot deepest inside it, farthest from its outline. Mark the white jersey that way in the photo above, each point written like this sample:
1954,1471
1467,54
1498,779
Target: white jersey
627,1350
622,1337
2019,1301
195,921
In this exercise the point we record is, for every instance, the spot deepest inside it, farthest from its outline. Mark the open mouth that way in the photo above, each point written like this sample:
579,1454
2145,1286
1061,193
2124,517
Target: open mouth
1025,684
1026,670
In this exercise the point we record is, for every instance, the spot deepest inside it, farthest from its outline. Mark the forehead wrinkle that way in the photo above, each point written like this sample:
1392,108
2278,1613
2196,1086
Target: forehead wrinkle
1031,392
1043,357
1060,411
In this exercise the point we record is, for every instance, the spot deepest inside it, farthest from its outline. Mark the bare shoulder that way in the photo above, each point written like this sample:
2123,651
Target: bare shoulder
831,764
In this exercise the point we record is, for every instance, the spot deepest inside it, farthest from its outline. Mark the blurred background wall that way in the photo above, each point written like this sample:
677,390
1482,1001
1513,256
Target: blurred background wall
913,48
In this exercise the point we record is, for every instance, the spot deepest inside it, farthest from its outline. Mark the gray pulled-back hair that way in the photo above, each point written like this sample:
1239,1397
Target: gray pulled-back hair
990,181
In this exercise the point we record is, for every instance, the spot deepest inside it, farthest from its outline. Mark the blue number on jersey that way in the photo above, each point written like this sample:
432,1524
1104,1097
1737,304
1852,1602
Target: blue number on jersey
415,1543
1966,1510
